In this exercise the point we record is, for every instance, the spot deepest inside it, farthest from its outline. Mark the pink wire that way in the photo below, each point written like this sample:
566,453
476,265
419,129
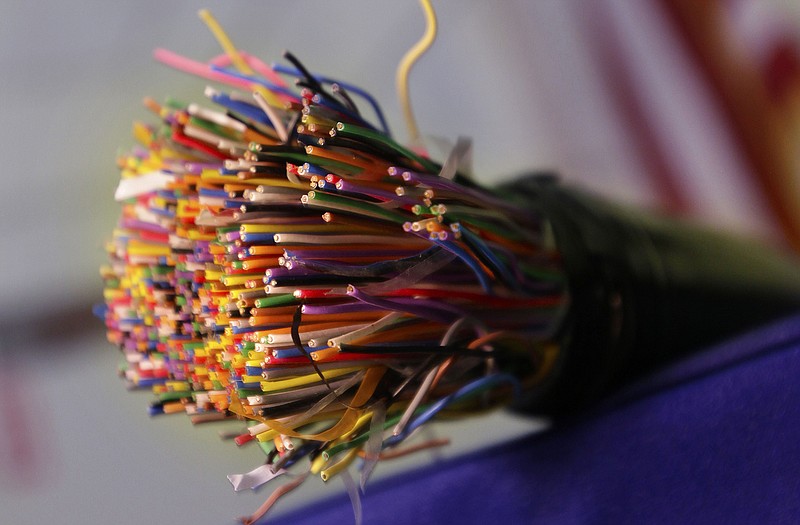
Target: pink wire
202,70
222,60
264,69
199,69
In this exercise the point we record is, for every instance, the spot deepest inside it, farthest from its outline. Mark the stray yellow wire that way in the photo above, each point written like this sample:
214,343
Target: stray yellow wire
283,384
225,42
340,465
346,436
404,67
236,58
317,464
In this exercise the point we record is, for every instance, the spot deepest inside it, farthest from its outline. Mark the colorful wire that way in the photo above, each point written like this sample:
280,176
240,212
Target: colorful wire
279,260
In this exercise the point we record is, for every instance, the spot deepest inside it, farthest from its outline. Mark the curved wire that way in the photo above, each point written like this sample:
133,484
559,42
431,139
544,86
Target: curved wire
464,392
349,87
225,42
408,60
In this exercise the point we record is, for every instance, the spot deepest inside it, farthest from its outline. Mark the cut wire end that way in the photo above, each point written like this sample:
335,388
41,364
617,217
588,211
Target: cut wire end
338,294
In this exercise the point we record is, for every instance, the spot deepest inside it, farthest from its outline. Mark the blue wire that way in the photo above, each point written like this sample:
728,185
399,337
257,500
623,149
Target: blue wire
248,329
260,238
99,310
243,108
322,102
163,212
234,204
143,383
349,87
241,385
208,192
281,353
256,80
304,451
313,169
462,393
483,279
477,243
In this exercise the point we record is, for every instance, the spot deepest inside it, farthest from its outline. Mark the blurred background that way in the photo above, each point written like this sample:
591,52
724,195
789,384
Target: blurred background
691,108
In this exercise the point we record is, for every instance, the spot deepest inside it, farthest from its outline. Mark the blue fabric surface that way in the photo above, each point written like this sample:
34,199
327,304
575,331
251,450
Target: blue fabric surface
712,439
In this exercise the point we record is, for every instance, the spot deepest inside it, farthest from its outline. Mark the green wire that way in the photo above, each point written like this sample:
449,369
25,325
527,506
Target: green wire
248,346
275,300
246,392
174,103
162,270
362,438
363,133
213,128
300,158
266,446
174,396
356,206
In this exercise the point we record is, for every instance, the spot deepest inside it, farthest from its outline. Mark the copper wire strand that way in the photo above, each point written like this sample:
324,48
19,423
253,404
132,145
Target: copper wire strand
406,451
273,498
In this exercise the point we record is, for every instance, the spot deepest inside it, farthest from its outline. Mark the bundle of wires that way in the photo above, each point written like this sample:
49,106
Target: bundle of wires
281,259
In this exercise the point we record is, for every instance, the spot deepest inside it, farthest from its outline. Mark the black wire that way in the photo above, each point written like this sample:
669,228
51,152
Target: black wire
339,90
292,127
460,351
298,343
264,150
288,408
310,81
343,102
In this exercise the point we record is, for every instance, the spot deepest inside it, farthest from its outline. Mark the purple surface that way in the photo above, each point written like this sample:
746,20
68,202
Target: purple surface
712,439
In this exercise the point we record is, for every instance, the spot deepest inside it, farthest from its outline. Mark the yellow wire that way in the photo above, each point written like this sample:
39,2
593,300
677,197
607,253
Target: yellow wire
317,464
284,384
404,67
236,58
340,465
345,423
225,42
365,418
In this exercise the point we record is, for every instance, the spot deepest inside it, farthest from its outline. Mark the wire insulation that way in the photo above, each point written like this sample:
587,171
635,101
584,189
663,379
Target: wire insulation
280,260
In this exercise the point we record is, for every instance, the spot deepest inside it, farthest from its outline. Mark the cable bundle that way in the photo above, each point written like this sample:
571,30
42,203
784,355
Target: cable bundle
280,258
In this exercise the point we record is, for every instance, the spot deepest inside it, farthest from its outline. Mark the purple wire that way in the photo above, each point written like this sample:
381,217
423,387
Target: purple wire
195,168
425,309
437,182
313,309
135,224
232,236
280,271
337,254
351,188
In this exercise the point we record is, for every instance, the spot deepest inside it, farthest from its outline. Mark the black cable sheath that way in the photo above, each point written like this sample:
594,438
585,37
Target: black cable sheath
645,290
